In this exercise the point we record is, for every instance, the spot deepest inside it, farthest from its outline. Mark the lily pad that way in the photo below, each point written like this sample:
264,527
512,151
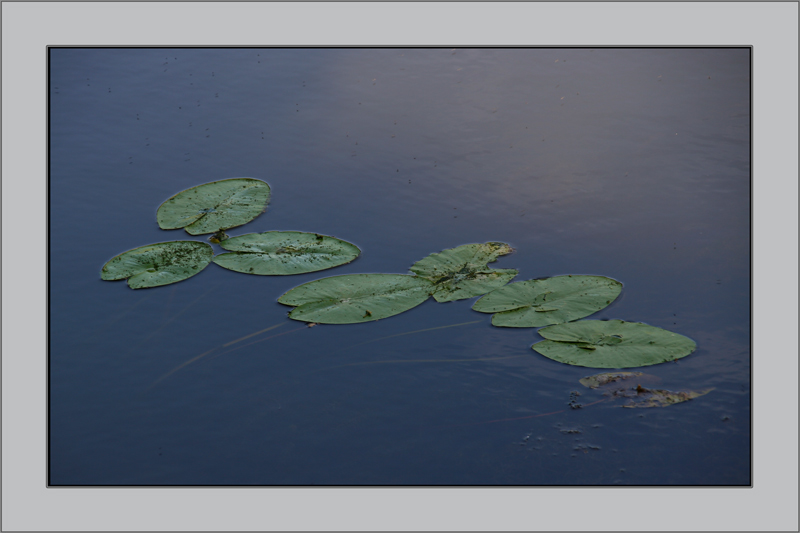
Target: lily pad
607,378
612,344
158,264
280,253
355,298
641,397
214,206
542,302
462,272
628,386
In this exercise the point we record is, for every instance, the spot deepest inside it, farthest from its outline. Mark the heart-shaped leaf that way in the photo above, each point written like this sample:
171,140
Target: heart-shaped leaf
612,344
214,206
279,253
355,298
158,264
541,302
462,272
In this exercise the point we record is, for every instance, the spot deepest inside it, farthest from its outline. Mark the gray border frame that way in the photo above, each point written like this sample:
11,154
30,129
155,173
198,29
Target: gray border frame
771,28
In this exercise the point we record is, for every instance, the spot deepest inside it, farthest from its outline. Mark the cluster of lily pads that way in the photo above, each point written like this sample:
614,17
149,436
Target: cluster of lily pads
554,304
213,208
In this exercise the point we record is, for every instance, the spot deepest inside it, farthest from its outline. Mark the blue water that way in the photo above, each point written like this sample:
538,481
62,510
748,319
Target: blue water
627,163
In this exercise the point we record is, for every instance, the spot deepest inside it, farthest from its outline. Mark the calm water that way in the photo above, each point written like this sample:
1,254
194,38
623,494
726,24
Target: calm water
632,164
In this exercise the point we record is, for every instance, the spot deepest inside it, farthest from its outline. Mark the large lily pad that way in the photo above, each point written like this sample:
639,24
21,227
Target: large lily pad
612,344
355,298
462,272
158,264
280,253
214,206
542,302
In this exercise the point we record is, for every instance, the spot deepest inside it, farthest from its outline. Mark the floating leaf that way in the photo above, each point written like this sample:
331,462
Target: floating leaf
621,385
279,253
612,344
541,302
600,380
462,272
354,298
641,397
158,264
214,206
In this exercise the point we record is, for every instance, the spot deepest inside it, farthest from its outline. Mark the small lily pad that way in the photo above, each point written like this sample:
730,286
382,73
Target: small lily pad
158,264
355,298
641,397
214,206
542,302
462,272
279,253
606,378
612,344
628,386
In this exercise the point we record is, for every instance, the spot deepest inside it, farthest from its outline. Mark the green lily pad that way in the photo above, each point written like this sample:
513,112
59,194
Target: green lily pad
158,264
541,302
612,344
214,206
462,272
355,298
280,253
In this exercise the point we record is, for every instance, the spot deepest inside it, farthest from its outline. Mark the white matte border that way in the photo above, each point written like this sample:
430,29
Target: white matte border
28,28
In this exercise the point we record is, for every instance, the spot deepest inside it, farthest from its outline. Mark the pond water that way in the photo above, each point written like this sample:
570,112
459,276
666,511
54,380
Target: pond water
627,163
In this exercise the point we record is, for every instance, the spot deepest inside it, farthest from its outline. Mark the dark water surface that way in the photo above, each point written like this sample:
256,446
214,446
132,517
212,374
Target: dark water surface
632,164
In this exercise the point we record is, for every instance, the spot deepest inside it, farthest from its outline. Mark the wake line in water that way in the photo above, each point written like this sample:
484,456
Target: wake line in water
231,343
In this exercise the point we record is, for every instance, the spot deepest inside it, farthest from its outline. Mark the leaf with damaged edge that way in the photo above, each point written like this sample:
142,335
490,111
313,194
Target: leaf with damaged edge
541,302
612,344
158,264
214,206
279,253
660,398
354,298
462,272
607,378
628,386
